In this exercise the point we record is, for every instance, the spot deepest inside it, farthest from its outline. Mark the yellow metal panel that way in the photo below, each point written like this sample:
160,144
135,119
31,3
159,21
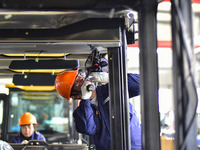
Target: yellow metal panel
32,88
36,55
39,70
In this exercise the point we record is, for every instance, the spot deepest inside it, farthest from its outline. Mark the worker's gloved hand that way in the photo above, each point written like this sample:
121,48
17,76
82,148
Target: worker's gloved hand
101,77
86,94
24,142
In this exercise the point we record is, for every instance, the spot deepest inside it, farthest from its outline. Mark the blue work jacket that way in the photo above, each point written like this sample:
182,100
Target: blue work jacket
95,121
35,136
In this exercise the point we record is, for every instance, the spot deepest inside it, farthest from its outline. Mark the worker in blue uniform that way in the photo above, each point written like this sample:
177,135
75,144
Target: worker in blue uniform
27,125
92,114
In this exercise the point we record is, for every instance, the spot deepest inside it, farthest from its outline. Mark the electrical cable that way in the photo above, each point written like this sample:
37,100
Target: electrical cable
188,50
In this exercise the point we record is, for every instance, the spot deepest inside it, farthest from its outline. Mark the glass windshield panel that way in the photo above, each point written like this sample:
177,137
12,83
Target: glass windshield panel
50,109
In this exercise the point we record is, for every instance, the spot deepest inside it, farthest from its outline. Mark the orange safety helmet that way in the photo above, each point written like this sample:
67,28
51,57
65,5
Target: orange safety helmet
27,118
64,83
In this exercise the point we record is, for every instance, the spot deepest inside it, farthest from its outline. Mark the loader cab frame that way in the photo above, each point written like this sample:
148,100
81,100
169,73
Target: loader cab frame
111,35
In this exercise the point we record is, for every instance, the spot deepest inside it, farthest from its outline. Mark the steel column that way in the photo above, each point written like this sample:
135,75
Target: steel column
119,103
126,116
149,76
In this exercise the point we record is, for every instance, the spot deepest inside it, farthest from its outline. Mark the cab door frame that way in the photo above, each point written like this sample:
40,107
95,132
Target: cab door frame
4,98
